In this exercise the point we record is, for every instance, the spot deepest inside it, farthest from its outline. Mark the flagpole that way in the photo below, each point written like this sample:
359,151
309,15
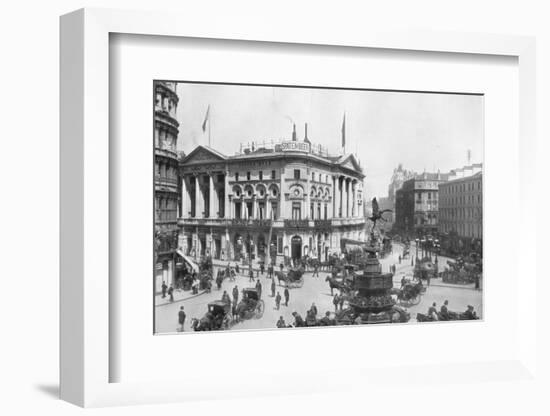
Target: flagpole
209,130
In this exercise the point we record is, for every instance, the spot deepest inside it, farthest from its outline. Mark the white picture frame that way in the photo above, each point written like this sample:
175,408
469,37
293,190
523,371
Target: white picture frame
85,264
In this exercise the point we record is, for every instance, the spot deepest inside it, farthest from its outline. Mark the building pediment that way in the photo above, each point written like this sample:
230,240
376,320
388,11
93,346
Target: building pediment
350,162
203,154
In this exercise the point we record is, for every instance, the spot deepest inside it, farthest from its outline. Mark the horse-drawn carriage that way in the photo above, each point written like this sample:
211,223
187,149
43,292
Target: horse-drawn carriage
250,306
410,293
218,317
424,269
293,279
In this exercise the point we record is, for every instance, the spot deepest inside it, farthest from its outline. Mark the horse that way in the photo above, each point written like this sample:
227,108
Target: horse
334,284
203,324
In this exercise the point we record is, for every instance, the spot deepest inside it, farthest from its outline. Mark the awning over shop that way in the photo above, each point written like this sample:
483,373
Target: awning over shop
188,260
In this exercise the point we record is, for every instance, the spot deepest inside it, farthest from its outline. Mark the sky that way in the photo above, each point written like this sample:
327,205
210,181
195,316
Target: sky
423,131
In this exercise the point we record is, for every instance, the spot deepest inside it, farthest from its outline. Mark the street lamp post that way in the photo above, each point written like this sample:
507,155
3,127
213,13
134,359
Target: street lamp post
416,241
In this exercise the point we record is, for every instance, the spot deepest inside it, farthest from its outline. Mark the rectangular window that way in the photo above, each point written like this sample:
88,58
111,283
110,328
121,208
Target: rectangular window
279,245
261,175
296,173
238,210
247,176
272,174
261,210
296,211
250,210
274,210
221,178
326,212
236,176
313,176
311,211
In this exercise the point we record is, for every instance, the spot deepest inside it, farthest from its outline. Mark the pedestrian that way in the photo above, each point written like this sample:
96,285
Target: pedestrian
237,268
171,293
250,275
298,320
270,271
262,269
181,318
281,267
235,294
164,288
432,312
278,300
287,296
316,270
259,288
444,312
225,297
341,302
281,323
313,310
273,288
336,301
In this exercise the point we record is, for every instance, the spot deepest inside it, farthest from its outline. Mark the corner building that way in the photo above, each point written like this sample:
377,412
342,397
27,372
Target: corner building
271,201
166,182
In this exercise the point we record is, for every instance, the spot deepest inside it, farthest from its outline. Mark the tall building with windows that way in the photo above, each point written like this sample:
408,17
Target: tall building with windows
417,204
166,181
280,199
461,204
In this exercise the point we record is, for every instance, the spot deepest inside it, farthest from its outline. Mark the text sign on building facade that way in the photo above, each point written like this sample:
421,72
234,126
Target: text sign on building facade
291,146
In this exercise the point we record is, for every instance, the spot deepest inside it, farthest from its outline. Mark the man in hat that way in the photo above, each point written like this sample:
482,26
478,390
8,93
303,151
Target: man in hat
278,300
444,312
298,320
181,318
287,296
164,289
273,287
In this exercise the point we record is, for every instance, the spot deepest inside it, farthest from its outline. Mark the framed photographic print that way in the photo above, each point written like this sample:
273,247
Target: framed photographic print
289,199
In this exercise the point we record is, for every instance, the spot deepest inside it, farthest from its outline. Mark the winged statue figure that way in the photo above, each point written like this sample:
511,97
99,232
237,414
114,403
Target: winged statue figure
377,214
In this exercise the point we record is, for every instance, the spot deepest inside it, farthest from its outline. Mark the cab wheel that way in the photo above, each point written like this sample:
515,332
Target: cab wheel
260,308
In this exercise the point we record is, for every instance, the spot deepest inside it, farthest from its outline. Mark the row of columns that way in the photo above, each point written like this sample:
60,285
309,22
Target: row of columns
344,197
200,199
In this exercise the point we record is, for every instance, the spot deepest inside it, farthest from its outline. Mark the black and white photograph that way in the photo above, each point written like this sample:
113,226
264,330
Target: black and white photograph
282,207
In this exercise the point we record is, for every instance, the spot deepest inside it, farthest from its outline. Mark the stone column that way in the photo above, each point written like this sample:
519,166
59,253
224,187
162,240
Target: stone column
340,196
197,197
183,212
354,201
254,207
226,202
334,198
346,213
282,204
211,205
308,196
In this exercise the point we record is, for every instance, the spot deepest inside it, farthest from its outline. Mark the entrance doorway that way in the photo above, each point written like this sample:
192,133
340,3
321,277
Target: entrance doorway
218,248
296,247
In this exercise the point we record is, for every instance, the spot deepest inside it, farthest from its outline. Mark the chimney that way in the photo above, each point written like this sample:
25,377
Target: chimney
294,132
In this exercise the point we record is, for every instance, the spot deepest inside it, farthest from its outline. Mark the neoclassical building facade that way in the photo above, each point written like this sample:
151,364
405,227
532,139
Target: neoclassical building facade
277,200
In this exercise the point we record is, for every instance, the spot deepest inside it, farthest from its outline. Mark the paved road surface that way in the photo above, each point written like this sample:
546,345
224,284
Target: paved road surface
316,290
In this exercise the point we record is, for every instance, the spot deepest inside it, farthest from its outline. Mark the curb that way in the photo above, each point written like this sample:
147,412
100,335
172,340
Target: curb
181,300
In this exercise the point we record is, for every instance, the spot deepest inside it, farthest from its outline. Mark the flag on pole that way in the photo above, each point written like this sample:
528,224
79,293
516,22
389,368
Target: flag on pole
344,131
206,117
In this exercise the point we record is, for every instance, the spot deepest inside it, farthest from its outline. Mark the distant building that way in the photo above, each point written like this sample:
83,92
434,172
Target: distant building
399,176
280,199
416,204
461,204
166,182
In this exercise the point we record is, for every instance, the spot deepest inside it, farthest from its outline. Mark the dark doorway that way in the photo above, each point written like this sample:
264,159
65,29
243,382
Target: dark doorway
296,247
